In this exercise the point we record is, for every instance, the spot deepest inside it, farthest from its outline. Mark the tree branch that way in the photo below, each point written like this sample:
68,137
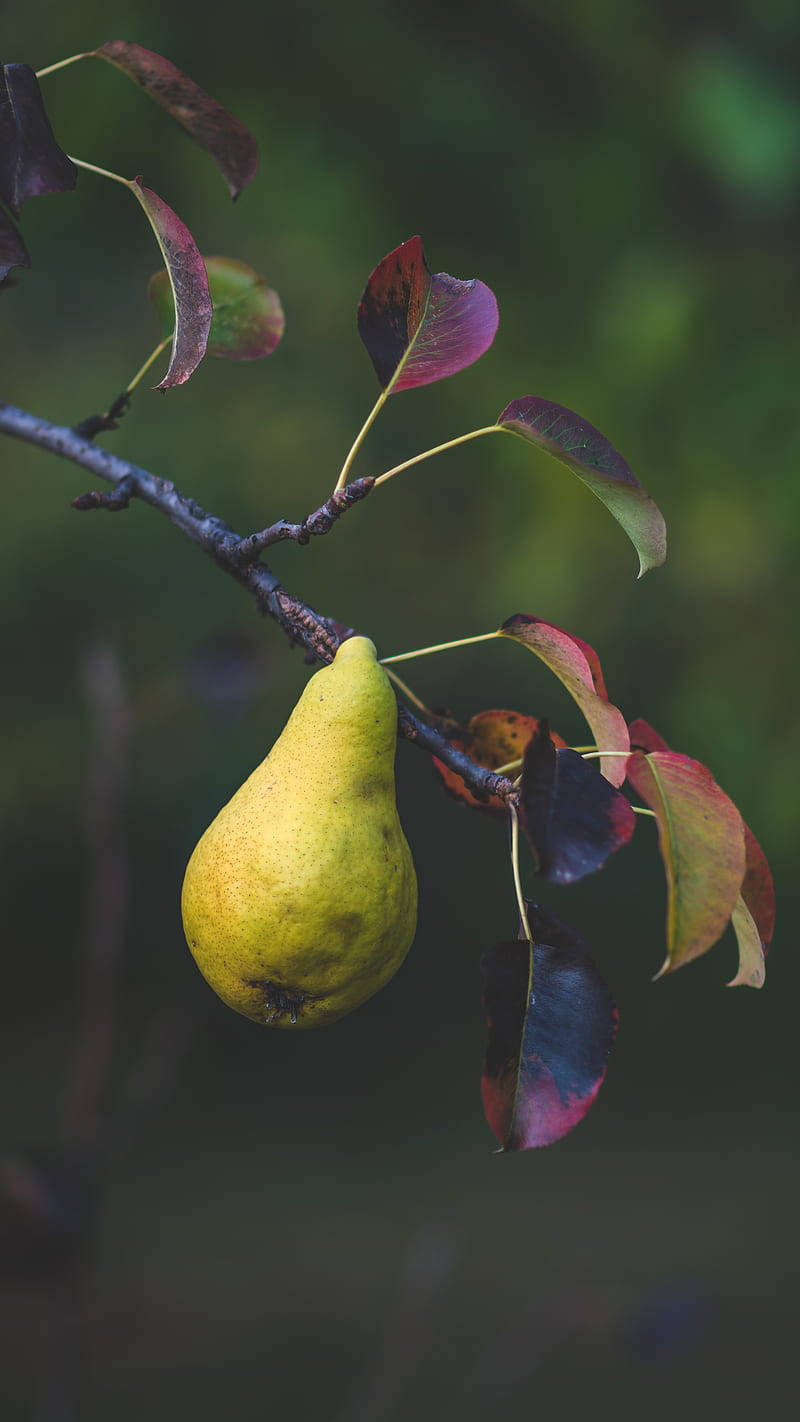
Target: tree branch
239,557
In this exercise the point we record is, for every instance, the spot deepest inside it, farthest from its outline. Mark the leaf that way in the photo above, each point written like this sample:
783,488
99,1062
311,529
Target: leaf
573,819
574,442
566,656
233,149
491,738
753,917
752,969
31,162
248,320
419,327
187,276
643,737
701,839
552,1023
758,890
13,252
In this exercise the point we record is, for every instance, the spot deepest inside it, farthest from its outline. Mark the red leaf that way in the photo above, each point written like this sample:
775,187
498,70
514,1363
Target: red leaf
566,656
207,122
419,327
187,275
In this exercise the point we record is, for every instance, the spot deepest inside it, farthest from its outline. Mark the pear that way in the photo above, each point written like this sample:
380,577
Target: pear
300,900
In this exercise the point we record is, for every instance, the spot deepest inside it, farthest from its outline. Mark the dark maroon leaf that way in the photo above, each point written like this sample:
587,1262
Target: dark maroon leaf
13,252
31,162
187,275
572,817
418,326
573,441
552,1023
223,136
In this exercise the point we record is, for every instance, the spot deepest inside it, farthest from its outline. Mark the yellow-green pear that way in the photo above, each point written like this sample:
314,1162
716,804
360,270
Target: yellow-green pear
300,900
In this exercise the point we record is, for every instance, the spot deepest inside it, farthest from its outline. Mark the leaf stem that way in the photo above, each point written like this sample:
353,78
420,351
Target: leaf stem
593,754
439,647
102,172
359,439
62,64
407,692
515,870
640,810
143,369
512,765
437,449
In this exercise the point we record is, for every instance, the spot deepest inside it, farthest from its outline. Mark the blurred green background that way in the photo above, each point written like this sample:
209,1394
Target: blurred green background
317,1225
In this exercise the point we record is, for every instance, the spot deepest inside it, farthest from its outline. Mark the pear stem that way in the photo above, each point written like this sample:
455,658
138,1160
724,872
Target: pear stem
409,694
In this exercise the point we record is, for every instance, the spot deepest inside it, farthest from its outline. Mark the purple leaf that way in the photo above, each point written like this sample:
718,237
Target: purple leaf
572,817
13,252
31,162
576,443
552,1023
223,136
187,275
419,327
248,320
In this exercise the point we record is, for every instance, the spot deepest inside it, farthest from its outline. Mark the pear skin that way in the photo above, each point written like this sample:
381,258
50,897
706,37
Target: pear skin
300,900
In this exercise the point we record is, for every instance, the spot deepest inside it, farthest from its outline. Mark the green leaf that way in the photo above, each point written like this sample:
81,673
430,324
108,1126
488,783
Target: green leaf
752,970
573,441
701,839
247,321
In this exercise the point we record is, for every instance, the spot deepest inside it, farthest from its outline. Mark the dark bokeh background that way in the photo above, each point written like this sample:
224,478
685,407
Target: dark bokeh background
317,1225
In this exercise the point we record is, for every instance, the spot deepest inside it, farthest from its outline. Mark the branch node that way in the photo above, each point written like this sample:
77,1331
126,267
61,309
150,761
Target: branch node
95,424
319,522
117,498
